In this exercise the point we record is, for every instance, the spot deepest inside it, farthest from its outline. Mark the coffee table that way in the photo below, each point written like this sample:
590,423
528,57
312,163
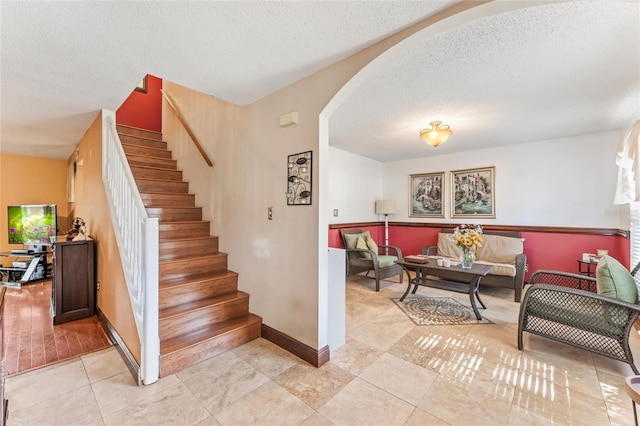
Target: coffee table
469,280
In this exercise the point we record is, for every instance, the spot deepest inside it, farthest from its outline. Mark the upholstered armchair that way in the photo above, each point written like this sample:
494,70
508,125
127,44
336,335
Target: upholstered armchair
595,314
364,255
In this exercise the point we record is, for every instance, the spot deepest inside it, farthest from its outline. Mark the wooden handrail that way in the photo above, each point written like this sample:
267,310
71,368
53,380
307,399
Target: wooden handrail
186,126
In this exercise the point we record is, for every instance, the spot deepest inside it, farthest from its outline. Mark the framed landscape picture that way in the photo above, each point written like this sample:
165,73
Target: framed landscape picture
473,193
425,195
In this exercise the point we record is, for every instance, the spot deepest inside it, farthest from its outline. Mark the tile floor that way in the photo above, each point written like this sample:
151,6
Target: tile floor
390,372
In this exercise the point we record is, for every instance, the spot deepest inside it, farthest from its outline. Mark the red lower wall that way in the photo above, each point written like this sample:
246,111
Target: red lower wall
544,250
143,110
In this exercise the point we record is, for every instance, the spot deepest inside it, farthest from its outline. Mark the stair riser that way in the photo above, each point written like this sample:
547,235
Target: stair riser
193,320
175,296
182,359
162,186
183,230
193,267
148,143
143,150
171,214
138,132
148,173
179,200
163,163
172,249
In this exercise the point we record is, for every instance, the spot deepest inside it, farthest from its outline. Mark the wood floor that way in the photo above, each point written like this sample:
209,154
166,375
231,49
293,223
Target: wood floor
32,341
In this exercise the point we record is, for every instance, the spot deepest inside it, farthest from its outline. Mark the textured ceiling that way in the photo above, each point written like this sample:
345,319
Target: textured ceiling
64,61
539,73
546,71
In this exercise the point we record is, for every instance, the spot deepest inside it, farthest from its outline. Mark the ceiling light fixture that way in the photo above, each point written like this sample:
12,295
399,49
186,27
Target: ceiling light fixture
437,134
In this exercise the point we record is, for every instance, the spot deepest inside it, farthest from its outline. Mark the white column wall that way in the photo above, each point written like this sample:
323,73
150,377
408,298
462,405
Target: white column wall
355,182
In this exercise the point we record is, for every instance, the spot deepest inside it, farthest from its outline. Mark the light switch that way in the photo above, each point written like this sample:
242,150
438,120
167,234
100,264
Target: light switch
270,213
335,212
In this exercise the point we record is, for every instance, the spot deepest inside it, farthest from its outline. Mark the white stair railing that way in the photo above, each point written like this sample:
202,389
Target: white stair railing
137,238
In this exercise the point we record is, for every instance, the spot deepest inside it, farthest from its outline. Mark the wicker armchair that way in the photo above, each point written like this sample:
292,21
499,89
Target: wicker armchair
382,265
565,307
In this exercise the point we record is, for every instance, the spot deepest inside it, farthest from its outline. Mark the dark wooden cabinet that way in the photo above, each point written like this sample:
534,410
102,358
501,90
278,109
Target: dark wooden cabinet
73,281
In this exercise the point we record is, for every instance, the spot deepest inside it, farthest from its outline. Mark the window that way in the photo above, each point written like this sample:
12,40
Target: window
635,237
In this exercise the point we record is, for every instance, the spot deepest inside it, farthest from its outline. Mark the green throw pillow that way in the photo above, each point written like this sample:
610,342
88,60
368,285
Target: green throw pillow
614,280
352,239
361,243
371,244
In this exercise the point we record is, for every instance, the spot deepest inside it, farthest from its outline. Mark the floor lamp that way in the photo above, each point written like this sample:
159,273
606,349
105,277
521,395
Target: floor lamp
386,207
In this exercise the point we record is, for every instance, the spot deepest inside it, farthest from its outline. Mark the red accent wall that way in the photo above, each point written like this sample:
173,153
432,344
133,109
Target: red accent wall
143,110
544,250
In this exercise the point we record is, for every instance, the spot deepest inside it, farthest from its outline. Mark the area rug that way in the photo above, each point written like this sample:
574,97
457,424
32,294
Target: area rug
438,311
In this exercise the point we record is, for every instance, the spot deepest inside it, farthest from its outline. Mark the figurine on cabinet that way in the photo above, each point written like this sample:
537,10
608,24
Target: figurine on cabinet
78,232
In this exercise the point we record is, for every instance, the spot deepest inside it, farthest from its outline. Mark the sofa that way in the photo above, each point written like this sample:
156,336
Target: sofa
503,250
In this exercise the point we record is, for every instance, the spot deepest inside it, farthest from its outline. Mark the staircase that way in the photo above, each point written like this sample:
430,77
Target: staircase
202,312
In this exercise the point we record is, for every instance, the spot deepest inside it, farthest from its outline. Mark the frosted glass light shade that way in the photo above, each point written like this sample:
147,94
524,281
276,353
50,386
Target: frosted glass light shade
437,134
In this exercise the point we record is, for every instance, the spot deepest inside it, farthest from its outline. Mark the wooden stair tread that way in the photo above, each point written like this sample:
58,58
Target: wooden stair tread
165,193
141,166
146,156
159,151
155,179
142,157
192,338
178,239
202,303
181,222
172,280
178,258
144,138
179,282
129,144
194,257
173,207
120,128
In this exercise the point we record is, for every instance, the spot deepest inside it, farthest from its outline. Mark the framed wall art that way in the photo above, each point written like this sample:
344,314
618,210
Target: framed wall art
299,179
473,193
425,195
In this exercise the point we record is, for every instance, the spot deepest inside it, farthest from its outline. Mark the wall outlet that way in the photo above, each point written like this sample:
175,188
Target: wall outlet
98,285
270,213
335,212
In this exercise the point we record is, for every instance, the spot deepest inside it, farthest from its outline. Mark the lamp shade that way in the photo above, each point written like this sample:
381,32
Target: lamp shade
385,207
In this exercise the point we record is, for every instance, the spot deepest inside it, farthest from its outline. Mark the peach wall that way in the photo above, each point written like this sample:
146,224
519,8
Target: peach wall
215,123
91,205
31,180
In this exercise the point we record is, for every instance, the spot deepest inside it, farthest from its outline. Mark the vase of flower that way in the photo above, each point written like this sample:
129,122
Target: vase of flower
468,238
467,258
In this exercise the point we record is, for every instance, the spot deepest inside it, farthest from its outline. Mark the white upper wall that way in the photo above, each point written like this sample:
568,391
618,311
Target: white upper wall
567,182
562,182
355,183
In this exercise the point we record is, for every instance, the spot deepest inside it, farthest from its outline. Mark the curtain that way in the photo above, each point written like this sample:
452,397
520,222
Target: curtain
628,185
